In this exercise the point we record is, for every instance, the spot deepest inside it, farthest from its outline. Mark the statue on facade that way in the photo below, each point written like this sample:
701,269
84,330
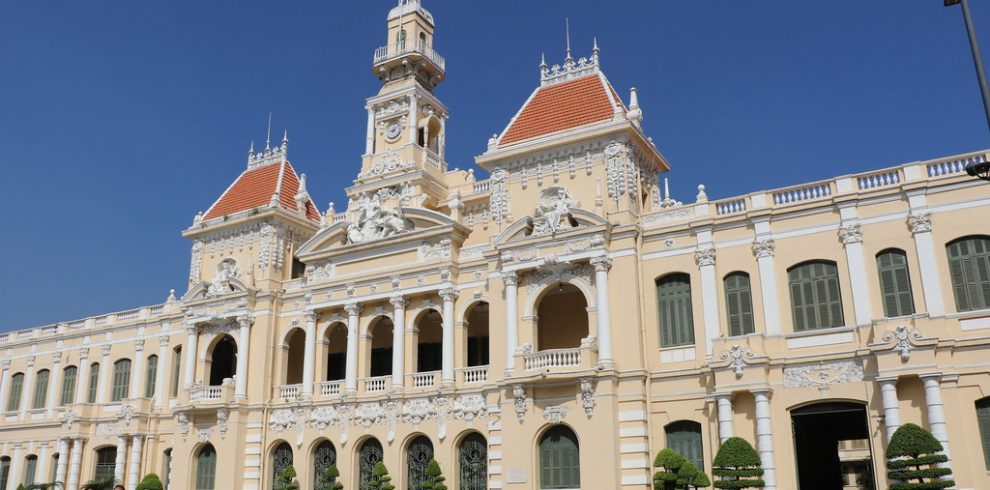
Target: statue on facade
220,284
376,221
553,212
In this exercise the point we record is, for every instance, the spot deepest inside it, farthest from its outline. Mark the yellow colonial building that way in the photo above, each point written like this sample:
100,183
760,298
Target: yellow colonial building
551,326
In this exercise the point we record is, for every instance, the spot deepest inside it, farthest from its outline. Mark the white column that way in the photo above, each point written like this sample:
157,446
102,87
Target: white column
163,363
725,430
135,462
413,118
764,437
921,226
243,355
350,372
27,390
102,393
709,293
511,280
63,460
448,295
189,355
398,340
852,238
4,386
82,379
16,463
763,249
138,372
369,138
118,467
74,463
54,382
309,355
602,265
936,412
41,470
891,410
442,138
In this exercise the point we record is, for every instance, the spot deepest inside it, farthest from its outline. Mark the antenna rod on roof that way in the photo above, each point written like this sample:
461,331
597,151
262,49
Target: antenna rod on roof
567,32
268,139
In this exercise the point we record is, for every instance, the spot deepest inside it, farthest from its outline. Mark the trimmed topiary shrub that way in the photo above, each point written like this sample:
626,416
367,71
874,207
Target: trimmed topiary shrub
150,482
912,456
328,480
689,475
737,465
379,478
434,477
668,461
287,479
104,484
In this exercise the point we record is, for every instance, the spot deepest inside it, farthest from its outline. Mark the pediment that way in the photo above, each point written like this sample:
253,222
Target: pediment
527,227
215,289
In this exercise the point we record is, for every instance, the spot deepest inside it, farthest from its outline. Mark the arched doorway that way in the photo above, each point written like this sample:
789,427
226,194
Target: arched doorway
370,453
223,360
429,342
324,456
336,338
418,456
560,458
562,318
281,459
832,446
477,335
206,468
294,358
381,347
472,462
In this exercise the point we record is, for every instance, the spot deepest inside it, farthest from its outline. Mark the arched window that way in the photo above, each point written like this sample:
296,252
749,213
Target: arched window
477,331
121,380
418,456
560,461
296,343
685,437
400,39
167,468
281,458
206,468
94,382
150,375
40,389
369,454
223,360
381,347
422,42
738,303
983,418
53,467
429,342
562,318
16,386
324,456
104,463
176,365
895,283
336,338
4,471
68,385
969,266
815,298
30,468
676,317
472,459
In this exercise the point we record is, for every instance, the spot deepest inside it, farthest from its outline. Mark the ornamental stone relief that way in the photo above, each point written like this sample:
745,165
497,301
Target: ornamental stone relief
904,340
221,284
434,250
470,407
543,277
375,221
920,223
553,212
736,356
588,396
320,271
823,374
849,234
272,247
555,414
519,401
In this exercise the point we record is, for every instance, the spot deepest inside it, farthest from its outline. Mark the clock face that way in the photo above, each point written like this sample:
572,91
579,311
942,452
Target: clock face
392,130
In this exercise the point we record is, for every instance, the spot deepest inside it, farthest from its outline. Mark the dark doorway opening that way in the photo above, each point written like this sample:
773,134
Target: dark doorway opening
223,362
832,442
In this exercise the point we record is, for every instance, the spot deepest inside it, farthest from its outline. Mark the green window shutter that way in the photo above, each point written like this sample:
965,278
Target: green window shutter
969,268
68,385
206,468
94,382
150,376
739,303
816,301
983,418
40,389
674,304
685,438
560,465
895,283
121,380
16,386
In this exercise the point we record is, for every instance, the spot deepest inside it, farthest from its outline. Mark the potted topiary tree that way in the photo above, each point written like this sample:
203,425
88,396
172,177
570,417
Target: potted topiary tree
737,465
912,458
328,480
379,478
689,476
150,482
287,479
434,477
668,461
98,484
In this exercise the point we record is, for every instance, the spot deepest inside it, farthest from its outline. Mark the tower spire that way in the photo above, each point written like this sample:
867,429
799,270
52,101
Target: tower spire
268,139
567,34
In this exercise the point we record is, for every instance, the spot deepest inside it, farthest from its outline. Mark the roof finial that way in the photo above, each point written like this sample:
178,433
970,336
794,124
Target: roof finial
268,139
594,49
285,136
251,149
567,32
543,60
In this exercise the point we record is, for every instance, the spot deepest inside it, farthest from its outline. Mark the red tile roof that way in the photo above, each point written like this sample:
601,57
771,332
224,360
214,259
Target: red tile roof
254,188
563,106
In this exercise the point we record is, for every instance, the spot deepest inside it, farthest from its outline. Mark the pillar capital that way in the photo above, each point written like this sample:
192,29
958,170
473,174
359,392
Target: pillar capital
763,248
510,278
311,315
932,376
56,357
190,328
31,358
139,345
5,364
849,234
83,353
163,341
765,391
887,379
705,257
920,223
601,263
448,294
352,308
106,349
245,320
398,301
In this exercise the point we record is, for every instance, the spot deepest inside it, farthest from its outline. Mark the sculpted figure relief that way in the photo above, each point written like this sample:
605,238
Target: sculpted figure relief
553,213
376,221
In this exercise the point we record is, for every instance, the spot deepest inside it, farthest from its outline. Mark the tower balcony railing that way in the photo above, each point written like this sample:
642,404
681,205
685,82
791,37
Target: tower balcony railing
385,53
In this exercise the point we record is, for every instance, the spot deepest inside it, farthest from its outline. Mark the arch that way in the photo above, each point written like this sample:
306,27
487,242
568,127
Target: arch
422,42
223,359
982,407
4,471
684,436
559,458
324,456
969,268
369,452
150,375
738,303
428,133
429,341
166,467
418,454
16,390
534,297
30,469
477,319
206,467
104,462
816,299
281,457
562,317
823,429
472,462
336,358
94,382
68,393
380,333
40,389
121,380
895,282
295,349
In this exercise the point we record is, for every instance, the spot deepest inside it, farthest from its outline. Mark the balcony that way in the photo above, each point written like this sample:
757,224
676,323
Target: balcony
473,374
424,380
201,394
376,384
288,393
385,53
558,361
328,388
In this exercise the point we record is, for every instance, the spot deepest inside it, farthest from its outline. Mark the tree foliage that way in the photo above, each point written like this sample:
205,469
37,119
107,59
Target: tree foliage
737,465
150,482
675,471
94,484
328,480
912,458
434,477
287,479
379,478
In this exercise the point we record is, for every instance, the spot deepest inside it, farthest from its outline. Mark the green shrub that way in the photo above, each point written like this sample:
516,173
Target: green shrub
434,477
287,479
669,461
150,482
328,480
912,459
737,465
688,472
104,484
379,478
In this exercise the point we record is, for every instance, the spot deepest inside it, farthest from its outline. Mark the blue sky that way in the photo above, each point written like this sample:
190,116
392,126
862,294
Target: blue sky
119,120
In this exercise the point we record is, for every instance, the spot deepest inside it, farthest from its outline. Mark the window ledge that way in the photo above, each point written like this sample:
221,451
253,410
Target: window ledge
819,331
969,314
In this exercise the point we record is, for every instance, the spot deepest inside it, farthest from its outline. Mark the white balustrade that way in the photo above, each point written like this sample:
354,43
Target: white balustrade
213,392
424,380
376,383
554,358
432,158
474,374
328,388
730,207
954,166
482,185
880,179
289,392
807,193
383,53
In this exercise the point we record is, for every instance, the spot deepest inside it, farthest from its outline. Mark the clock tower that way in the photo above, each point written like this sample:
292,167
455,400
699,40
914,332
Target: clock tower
404,148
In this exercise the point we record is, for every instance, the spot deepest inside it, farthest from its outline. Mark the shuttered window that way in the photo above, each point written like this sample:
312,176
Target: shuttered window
685,438
94,382
121,380
969,266
16,386
676,321
68,385
206,468
150,376
4,471
560,465
815,298
895,283
738,303
983,418
40,389
30,468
